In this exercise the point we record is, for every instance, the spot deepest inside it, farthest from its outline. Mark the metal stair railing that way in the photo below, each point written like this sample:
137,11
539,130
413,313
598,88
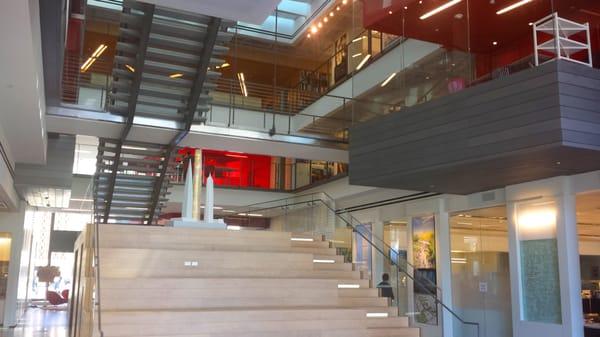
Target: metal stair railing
286,206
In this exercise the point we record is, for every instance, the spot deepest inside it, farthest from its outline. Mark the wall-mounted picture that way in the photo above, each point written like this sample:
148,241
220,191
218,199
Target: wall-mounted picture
424,242
424,255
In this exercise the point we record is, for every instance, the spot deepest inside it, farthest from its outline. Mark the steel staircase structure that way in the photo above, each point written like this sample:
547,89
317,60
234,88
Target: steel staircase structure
161,70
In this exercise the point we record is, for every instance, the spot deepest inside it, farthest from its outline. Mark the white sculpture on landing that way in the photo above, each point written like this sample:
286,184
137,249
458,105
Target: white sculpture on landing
188,195
210,202
187,219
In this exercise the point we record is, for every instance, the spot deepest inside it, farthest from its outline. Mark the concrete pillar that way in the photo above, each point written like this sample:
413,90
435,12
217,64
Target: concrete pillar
544,259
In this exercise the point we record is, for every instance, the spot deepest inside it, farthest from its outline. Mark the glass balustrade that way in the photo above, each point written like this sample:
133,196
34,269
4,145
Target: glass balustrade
411,289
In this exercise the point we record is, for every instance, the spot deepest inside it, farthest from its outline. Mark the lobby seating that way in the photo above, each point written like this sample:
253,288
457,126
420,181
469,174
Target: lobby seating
164,281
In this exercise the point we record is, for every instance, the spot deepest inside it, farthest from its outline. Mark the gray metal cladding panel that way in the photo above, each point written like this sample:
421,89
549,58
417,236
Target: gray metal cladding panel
506,131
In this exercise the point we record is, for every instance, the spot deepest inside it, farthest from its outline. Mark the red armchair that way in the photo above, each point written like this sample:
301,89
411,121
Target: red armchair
55,298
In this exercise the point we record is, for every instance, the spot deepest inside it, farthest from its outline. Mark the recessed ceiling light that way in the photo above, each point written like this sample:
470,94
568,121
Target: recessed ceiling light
331,14
344,2
513,6
495,43
337,8
363,62
390,12
439,9
531,23
387,80
308,36
314,29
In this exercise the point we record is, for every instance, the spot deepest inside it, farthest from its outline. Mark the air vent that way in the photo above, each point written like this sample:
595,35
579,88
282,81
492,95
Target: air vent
488,196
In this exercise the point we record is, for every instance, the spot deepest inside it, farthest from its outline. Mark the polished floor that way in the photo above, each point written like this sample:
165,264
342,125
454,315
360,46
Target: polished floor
39,323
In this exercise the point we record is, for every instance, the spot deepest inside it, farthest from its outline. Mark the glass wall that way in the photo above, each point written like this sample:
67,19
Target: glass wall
396,237
415,50
480,271
588,228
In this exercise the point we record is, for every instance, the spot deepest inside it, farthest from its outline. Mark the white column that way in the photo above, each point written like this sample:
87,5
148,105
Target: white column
544,250
568,258
444,267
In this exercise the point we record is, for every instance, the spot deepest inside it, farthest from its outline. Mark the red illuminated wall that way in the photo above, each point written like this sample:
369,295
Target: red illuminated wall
233,169
475,33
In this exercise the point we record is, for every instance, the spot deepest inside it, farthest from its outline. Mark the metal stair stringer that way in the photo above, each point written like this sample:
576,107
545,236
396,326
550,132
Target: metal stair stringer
161,70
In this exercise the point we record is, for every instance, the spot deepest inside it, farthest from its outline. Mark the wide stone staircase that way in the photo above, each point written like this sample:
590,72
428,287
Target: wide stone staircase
165,281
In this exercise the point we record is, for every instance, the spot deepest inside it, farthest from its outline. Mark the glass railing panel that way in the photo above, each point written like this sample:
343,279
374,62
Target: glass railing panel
85,82
410,292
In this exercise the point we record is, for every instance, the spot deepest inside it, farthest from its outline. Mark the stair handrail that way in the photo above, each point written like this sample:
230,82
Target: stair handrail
400,268
330,201
361,232
96,259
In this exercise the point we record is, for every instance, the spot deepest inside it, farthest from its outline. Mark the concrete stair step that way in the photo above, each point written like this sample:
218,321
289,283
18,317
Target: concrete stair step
336,258
332,266
393,332
119,300
362,292
315,251
314,333
160,327
389,322
310,244
229,315
221,283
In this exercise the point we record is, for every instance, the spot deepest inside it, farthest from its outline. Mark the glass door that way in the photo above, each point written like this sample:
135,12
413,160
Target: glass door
480,271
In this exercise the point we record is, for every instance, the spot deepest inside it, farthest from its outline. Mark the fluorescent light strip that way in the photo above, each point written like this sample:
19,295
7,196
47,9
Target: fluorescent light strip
323,261
130,68
513,6
348,286
242,81
176,75
228,211
356,55
303,239
234,228
378,314
359,38
362,63
439,9
255,214
388,80
88,63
